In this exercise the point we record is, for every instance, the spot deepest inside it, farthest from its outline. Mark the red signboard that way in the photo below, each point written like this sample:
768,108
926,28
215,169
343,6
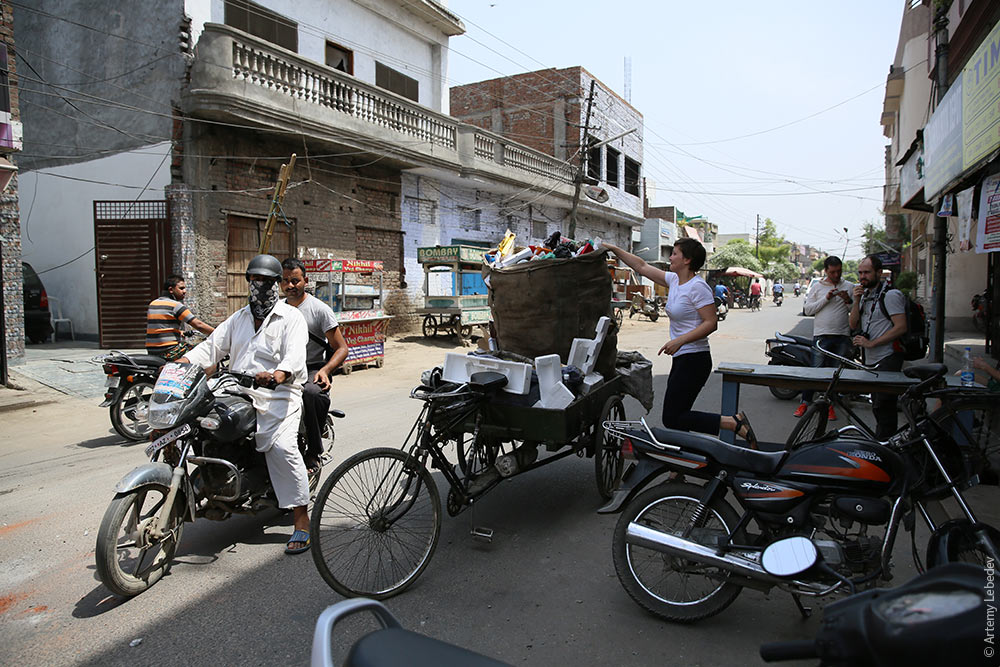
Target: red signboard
343,265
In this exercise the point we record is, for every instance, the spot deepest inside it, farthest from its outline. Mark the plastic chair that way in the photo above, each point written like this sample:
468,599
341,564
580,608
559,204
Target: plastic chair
56,316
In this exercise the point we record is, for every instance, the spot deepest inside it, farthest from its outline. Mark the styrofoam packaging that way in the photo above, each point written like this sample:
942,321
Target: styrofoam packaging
460,367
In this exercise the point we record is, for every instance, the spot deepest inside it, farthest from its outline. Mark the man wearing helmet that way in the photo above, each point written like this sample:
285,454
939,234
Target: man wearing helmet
267,338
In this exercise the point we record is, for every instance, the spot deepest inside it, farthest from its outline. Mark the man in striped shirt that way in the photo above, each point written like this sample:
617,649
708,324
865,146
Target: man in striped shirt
164,318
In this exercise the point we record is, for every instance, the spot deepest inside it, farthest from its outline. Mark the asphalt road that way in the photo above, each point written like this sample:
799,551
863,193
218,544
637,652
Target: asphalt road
543,592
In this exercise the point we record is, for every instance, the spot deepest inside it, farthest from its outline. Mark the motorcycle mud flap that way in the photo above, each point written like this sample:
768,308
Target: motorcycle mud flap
956,536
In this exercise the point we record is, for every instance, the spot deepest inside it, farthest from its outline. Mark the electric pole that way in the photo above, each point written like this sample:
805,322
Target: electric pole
756,239
940,244
584,158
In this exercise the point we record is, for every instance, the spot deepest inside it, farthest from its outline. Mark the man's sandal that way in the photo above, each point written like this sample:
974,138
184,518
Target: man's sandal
750,437
300,536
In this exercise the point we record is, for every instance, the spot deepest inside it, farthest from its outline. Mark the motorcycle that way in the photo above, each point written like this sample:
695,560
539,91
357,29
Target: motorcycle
740,299
643,306
979,314
683,553
721,308
778,298
798,290
129,385
788,350
210,424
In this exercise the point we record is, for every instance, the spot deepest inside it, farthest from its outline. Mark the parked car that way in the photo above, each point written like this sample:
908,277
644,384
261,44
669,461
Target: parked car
37,322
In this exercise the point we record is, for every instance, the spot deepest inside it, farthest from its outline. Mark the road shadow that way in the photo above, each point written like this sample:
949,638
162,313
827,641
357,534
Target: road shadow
107,441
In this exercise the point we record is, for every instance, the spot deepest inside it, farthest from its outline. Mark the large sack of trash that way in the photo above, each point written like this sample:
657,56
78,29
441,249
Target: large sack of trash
539,307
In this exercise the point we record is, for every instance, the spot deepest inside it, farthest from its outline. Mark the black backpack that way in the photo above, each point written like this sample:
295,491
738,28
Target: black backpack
913,344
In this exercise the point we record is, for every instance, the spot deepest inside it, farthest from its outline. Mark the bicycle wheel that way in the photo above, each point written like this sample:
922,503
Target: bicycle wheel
375,524
607,449
974,426
475,457
812,425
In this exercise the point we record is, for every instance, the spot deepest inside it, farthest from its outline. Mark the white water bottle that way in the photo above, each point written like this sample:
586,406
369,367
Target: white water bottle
968,377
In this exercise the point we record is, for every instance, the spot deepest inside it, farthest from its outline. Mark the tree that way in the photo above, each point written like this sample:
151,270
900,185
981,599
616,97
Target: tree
876,239
735,253
782,270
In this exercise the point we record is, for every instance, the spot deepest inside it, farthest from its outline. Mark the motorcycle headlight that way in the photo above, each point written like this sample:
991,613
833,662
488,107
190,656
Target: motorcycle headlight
164,413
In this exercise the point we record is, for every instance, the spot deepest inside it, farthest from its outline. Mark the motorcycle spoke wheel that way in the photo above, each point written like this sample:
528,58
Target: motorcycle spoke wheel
811,426
375,524
672,587
129,559
607,449
129,415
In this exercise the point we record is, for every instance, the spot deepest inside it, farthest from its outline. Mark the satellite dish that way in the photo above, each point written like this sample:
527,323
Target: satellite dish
596,192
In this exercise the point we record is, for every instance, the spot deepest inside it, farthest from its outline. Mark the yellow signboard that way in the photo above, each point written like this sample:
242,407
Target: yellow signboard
981,101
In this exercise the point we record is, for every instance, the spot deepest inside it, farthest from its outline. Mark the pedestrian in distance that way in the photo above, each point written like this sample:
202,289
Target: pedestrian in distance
325,352
880,312
691,309
267,339
165,318
828,302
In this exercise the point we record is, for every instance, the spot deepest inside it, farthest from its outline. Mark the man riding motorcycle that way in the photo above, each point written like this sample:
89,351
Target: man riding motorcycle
267,338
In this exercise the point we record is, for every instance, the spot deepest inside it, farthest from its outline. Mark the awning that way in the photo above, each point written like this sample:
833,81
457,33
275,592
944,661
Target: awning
741,272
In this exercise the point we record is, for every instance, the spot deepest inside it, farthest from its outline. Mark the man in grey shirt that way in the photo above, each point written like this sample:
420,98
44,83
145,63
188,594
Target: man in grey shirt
323,328
880,311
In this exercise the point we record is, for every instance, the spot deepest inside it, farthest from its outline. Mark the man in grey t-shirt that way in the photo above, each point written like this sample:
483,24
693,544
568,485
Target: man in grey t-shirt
880,329
323,328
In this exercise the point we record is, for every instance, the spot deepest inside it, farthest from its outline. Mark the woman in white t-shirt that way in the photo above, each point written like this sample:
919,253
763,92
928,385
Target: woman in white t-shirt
691,309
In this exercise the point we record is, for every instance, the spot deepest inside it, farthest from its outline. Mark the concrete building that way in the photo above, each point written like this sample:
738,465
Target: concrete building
12,331
179,124
931,159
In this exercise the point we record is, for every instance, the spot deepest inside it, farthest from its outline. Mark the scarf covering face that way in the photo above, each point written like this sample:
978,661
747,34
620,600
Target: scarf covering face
263,296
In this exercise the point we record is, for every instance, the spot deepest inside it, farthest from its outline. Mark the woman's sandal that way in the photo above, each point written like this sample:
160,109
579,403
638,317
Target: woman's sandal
741,421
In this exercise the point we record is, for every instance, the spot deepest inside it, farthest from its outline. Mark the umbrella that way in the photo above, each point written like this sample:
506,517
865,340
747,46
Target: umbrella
741,272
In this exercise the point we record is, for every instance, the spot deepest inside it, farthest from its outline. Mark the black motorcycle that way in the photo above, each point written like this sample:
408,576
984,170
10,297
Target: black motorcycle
195,420
129,385
814,521
788,350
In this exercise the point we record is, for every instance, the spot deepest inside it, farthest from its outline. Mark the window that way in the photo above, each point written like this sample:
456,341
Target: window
594,162
339,58
612,167
254,19
631,177
471,218
538,230
390,79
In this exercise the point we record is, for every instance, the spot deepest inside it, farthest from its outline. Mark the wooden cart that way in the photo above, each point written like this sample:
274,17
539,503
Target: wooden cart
455,296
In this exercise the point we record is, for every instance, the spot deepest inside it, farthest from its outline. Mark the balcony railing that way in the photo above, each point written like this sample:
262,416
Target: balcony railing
230,65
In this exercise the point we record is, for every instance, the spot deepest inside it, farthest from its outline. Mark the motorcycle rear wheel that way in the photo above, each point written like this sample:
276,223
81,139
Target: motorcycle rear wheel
128,559
129,414
783,393
375,524
663,584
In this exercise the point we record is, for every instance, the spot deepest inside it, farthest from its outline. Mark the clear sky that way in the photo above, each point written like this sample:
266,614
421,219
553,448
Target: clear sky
704,75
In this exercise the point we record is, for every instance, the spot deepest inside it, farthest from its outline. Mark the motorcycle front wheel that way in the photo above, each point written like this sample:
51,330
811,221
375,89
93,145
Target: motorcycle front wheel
130,412
129,559
672,587
375,524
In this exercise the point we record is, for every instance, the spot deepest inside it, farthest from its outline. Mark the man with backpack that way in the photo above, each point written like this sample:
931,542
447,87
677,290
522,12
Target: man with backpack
881,313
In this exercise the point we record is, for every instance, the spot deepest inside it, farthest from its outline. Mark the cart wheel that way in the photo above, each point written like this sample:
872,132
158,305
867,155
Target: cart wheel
607,449
430,327
379,362
346,369
474,458
619,317
465,332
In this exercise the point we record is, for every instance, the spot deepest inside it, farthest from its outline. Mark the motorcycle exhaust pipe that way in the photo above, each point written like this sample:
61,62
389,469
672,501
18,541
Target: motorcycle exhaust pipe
656,540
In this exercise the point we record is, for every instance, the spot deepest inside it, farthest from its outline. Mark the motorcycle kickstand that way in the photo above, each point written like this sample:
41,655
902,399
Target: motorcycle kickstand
804,610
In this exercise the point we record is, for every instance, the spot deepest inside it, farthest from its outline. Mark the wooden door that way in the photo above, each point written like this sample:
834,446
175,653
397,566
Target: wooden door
244,241
132,259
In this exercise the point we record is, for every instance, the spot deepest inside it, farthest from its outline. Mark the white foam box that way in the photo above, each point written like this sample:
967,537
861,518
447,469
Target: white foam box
460,367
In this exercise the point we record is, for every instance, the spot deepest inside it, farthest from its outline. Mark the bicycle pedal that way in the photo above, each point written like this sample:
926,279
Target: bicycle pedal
482,534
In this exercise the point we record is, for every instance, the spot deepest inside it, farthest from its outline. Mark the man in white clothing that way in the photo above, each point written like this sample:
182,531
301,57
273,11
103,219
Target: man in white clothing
267,338
829,302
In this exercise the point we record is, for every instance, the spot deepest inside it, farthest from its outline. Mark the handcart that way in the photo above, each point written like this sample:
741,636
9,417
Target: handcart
455,296
377,519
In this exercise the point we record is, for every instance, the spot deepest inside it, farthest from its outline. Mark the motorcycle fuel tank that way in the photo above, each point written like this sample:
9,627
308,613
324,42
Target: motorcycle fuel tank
845,464
769,495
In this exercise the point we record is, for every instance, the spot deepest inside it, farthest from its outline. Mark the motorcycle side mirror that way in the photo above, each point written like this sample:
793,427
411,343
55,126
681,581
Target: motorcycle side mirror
789,556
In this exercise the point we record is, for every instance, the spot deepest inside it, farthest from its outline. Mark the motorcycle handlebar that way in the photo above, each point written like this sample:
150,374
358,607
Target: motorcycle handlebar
794,650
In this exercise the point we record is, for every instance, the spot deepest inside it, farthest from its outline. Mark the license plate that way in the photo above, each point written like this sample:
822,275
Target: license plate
167,438
112,381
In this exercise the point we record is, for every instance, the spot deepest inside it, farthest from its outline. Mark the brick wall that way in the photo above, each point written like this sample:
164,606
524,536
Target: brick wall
10,220
338,210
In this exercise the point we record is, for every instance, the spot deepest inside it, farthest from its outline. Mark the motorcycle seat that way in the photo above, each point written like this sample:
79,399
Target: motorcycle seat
731,456
925,371
791,338
148,360
397,646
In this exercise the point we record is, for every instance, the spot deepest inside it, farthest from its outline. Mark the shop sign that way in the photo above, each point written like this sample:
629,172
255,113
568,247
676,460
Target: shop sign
364,333
342,265
943,143
889,258
988,233
980,100
668,230
450,253
911,176
367,352
476,316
